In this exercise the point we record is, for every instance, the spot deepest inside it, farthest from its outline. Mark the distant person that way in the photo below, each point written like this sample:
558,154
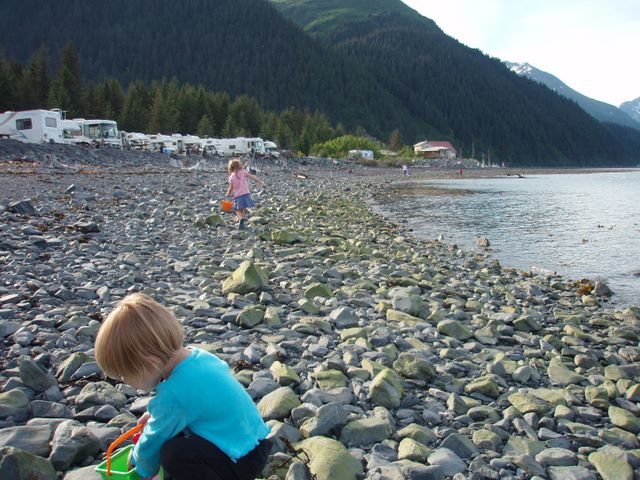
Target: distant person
405,170
201,424
239,187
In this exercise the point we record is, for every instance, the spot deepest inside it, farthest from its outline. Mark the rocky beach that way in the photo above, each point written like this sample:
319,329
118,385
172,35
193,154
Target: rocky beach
372,354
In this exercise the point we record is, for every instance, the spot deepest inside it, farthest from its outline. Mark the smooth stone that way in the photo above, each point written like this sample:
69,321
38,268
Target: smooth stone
72,443
460,445
14,403
414,365
32,438
611,467
330,460
455,329
449,463
278,404
624,419
17,464
409,449
248,277
365,431
570,473
386,389
327,418
283,374
526,403
557,457
417,432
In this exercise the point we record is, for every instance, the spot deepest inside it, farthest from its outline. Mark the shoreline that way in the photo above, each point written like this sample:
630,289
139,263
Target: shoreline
432,359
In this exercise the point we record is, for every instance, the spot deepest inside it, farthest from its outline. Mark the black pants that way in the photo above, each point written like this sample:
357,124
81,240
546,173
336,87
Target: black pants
194,458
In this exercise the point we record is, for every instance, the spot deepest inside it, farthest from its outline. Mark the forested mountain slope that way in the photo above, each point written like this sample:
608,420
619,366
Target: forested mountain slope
458,89
237,46
371,63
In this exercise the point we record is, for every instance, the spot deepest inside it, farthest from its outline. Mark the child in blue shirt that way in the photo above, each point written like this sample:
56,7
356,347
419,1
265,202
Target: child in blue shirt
201,424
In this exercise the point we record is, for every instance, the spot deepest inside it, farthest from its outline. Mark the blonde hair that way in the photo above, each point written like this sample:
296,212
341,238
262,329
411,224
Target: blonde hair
138,328
234,165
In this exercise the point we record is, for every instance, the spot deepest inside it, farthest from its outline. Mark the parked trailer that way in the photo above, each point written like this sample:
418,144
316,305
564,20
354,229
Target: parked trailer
97,133
33,126
241,146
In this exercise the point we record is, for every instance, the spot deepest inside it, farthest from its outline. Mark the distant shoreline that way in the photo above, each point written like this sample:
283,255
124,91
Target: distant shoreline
423,173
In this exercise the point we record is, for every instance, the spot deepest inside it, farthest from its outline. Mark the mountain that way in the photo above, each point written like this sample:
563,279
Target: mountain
375,64
632,108
600,110
472,98
237,46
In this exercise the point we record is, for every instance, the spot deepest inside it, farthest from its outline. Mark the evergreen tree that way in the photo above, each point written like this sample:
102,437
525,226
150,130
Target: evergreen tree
111,99
66,89
396,142
218,110
6,91
245,117
92,105
205,127
34,90
164,113
135,110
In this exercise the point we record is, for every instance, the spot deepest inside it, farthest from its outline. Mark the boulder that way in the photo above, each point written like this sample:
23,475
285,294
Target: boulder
330,460
248,277
16,464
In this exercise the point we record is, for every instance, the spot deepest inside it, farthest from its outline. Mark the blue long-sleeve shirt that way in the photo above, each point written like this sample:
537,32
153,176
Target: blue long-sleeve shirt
200,396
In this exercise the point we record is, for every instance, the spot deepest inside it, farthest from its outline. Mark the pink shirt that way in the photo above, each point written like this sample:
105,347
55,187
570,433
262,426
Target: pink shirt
240,183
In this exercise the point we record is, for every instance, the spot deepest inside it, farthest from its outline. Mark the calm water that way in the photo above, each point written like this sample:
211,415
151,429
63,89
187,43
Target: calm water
581,226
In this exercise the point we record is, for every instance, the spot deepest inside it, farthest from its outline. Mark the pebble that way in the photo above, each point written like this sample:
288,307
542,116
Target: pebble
425,360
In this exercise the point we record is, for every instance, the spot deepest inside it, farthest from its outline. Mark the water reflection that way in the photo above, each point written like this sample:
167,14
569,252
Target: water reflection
582,225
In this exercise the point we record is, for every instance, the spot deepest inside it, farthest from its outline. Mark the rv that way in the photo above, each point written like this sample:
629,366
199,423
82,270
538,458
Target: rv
33,126
136,141
165,143
188,143
97,133
241,146
271,149
212,147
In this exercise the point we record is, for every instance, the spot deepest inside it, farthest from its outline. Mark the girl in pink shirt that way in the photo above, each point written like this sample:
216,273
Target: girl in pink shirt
239,187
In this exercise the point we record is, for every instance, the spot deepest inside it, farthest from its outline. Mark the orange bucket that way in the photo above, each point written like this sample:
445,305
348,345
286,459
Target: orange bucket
226,205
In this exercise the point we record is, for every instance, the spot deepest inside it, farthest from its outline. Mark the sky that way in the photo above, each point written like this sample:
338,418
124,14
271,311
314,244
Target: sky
591,45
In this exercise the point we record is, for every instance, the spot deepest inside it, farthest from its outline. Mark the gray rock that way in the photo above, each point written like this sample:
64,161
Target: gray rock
100,393
16,464
327,418
557,457
447,460
33,438
14,403
34,376
22,207
84,473
365,431
570,473
72,443
344,317
460,445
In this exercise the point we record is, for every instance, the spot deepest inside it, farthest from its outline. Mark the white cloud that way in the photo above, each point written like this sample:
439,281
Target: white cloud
589,44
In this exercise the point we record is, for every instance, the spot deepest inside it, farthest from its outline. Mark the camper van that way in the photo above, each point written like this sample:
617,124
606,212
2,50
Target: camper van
97,133
241,146
165,143
271,149
33,126
135,141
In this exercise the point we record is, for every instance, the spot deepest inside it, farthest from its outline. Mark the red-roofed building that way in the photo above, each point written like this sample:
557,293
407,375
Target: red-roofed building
435,149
